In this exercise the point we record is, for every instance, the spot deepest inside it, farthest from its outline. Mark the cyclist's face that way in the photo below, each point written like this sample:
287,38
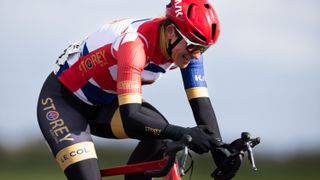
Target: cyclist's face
181,54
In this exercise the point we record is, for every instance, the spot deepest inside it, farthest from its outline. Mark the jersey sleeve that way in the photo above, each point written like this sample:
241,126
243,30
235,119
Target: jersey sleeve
131,57
194,80
196,89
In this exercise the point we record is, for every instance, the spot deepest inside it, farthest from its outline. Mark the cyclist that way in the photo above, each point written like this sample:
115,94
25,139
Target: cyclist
95,88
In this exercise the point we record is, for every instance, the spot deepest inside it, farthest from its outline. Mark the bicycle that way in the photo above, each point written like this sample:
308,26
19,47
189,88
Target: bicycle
173,168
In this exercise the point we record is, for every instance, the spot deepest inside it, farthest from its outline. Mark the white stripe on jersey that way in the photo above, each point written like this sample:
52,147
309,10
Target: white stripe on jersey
107,34
116,44
150,76
92,81
73,59
128,37
79,93
113,72
166,66
153,76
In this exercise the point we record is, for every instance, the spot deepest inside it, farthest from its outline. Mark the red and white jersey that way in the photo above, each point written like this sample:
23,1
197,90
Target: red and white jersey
114,61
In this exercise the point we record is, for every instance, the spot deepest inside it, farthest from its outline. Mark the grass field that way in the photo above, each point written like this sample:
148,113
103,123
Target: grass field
37,163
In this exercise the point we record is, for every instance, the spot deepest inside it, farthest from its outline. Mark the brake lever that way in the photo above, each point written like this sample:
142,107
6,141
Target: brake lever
250,143
250,156
182,161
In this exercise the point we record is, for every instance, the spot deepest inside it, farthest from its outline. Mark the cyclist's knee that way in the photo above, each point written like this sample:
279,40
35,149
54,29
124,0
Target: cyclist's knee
84,170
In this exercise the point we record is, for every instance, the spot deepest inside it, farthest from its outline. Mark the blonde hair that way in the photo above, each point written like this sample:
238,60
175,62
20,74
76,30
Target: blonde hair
162,37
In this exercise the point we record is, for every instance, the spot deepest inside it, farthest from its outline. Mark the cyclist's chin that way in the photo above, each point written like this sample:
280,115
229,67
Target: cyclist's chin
182,63
184,66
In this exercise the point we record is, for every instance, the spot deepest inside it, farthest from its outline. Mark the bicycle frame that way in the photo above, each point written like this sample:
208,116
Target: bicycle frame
168,167
143,167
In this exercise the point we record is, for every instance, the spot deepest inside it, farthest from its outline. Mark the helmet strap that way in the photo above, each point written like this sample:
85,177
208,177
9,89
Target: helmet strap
172,45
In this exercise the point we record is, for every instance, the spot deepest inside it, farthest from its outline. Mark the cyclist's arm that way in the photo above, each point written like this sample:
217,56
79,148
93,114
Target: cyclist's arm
197,93
137,123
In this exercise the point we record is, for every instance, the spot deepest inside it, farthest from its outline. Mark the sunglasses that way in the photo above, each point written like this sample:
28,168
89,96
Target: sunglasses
192,46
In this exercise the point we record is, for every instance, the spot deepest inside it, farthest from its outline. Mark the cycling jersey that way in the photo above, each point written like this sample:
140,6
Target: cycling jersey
117,59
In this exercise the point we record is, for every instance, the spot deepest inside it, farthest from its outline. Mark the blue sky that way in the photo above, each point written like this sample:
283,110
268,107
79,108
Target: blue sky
263,74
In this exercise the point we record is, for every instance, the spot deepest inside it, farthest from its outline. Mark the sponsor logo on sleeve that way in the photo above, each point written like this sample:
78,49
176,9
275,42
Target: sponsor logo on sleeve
199,78
154,131
128,85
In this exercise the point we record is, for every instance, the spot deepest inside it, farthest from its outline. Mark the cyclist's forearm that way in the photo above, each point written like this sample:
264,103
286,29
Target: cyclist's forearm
204,114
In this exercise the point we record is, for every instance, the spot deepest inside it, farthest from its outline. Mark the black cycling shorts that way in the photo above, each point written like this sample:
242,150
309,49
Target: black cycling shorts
67,124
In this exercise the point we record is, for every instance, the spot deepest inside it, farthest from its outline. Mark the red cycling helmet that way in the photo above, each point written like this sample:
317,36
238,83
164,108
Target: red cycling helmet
195,19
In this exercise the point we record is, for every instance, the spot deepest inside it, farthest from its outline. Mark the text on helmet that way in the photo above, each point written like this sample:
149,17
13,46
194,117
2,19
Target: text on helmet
178,8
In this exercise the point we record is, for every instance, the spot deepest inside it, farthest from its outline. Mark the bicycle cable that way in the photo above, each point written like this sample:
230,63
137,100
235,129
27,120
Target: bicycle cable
190,168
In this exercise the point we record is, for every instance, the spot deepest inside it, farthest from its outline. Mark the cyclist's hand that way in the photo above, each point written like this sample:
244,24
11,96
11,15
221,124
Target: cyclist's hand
228,161
203,139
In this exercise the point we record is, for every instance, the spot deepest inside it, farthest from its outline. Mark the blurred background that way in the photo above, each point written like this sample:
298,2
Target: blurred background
263,77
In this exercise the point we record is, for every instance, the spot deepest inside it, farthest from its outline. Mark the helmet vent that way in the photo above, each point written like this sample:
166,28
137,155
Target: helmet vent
189,10
200,36
207,6
169,5
214,26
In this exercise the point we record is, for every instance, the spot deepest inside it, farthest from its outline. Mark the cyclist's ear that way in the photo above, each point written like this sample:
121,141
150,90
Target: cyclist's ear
170,31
